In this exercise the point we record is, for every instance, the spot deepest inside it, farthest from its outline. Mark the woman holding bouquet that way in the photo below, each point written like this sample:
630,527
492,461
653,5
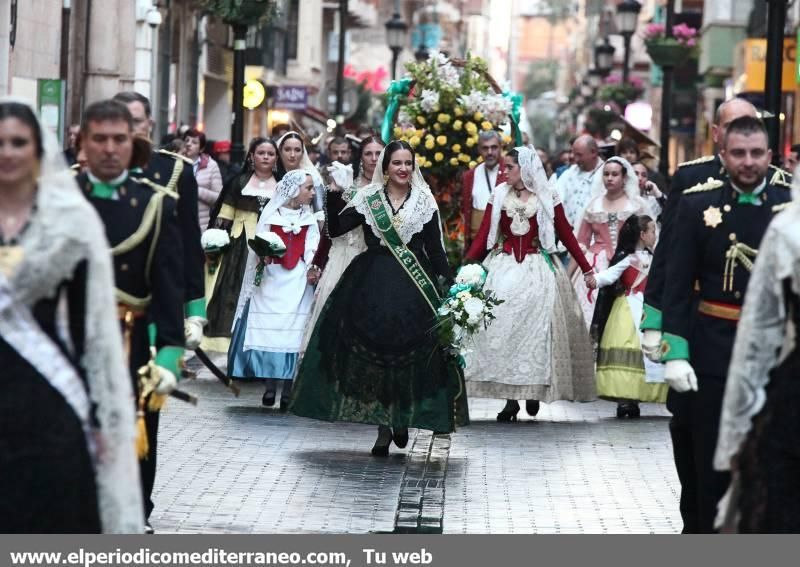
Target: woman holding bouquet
374,356
336,254
243,200
277,294
537,348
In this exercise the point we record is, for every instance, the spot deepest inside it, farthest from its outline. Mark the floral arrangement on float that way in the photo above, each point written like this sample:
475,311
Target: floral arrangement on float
439,108
670,51
614,90
466,310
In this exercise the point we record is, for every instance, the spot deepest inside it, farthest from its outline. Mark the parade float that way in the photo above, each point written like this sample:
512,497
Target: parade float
440,108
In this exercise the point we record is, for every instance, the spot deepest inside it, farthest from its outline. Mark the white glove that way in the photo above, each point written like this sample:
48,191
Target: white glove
680,376
651,344
167,381
193,331
341,174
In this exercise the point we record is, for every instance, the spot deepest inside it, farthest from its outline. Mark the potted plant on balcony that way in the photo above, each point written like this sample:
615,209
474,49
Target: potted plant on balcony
670,51
615,91
240,12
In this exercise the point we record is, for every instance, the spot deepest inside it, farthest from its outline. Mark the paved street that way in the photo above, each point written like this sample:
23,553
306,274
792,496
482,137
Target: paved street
229,465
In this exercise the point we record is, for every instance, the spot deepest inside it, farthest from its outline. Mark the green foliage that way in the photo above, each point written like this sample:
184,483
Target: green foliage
242,12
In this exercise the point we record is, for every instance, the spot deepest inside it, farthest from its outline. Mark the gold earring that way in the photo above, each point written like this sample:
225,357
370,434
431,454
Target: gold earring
385,178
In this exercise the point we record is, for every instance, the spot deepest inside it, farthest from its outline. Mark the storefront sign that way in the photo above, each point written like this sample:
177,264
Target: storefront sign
289,97
752,65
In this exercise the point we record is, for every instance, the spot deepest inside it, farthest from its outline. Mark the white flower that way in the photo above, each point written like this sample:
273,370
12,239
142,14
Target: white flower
471,274
463,295
444,309
429,100
472,102
474,308
450,76
272,239
214,238
404,118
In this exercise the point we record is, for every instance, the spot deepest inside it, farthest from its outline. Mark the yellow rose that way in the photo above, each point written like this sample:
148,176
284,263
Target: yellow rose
470,142
421,119
486,125
459,111
413,141
441,140
454,161
478,116
464,158
457,125
428,163
419,133
398,131
438,156
429,144
506,139
443,118
471,128
457,148
420,160
480,159
437,127
472,165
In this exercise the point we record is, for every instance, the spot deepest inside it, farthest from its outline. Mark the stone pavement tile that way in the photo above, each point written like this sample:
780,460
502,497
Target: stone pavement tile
229,465
574,468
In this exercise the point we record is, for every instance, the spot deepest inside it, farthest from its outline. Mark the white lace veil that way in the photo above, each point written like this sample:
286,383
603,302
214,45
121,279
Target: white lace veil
64,231
599,188
308,167
535,180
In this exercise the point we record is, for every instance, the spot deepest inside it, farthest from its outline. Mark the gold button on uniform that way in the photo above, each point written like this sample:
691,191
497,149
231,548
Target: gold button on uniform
737,294
134,202
726,208
732,236
124,268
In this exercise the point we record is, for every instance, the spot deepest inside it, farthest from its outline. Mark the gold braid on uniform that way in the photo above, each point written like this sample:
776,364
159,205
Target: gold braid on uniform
738,252
708,185
703,159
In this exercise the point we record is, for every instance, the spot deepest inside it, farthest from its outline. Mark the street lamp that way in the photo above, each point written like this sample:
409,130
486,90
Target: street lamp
396,30
603,56
595,78
627,18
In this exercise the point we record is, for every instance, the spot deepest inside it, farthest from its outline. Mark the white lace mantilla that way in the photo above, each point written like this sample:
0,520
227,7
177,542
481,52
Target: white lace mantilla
64,231
412,217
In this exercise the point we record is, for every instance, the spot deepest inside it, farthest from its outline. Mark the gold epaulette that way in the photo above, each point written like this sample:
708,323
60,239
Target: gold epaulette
779,208
156,187
176,156
703,159
779,178
709,185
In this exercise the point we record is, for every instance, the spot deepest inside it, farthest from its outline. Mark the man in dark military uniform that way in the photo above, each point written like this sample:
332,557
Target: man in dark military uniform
143,231
718,229
172,174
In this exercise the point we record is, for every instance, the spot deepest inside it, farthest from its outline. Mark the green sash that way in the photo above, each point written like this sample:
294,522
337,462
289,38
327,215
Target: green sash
401,252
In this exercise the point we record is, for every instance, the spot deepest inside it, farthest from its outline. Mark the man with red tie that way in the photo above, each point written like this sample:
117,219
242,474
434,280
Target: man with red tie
478,183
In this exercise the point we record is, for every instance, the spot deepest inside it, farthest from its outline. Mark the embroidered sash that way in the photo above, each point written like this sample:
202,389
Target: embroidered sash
400,251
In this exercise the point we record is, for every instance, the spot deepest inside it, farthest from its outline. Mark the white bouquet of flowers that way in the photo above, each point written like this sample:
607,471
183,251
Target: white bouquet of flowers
465,310
215,242
266,245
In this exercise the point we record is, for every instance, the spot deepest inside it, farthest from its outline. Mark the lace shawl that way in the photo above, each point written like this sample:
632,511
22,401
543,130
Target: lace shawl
64,231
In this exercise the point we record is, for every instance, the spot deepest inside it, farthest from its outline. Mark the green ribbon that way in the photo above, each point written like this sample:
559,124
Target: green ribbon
103,190
396,92
748,199
516,104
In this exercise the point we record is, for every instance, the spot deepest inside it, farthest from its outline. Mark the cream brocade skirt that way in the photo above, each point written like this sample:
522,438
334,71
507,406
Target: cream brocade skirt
538,347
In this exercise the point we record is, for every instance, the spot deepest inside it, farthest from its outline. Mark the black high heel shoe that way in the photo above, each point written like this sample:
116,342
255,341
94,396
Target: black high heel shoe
628,409
532,407
381,447
400,436
268,399
509,412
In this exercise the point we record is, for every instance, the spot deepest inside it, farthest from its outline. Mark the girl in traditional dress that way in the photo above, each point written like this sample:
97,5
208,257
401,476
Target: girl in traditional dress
624,375
649,191
615,197
271,316
537,348
374,356
292,155
243,200
760,422
67,436
336,254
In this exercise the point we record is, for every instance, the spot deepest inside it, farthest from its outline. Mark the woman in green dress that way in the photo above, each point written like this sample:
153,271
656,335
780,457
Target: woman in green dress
374,356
